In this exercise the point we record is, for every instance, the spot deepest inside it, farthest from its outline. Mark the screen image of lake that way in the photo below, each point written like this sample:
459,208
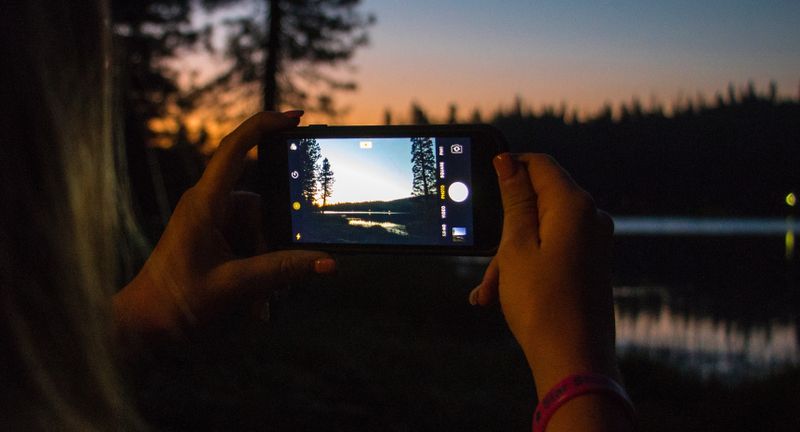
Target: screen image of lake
369,219
407,221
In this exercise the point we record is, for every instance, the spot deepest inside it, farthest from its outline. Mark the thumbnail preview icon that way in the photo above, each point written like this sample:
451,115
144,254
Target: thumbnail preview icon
459,233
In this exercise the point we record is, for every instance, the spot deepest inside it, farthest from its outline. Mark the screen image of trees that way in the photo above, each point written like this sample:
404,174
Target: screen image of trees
409,220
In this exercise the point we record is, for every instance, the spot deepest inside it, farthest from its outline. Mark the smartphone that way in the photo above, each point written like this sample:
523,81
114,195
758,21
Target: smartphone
427,189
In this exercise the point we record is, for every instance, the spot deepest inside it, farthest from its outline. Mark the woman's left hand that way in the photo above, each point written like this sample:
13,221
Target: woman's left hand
207,262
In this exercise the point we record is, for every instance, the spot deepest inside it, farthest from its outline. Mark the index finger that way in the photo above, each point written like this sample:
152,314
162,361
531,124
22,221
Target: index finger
520,212
226,166
550,181
562,203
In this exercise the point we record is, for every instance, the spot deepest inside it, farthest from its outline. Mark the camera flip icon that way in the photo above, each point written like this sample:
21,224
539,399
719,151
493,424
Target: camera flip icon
456,149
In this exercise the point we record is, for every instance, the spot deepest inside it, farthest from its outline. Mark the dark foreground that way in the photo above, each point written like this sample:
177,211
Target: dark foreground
393,345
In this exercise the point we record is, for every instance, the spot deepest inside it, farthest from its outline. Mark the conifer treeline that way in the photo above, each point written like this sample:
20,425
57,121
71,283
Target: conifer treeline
738,155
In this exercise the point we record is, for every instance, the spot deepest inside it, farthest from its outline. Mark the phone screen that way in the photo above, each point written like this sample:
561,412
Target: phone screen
381,191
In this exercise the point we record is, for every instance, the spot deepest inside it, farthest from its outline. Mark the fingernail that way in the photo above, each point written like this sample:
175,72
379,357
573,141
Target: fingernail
504,165
325,266
294,114
473,296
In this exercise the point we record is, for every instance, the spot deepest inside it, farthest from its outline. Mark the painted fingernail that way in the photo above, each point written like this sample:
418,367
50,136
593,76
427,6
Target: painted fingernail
504,165
325,266
295,114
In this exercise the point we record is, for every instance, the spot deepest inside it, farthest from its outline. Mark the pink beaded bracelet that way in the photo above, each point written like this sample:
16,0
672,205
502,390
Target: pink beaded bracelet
574,386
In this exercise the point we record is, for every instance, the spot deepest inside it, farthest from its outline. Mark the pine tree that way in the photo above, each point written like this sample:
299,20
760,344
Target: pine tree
423,167
147,36
290,47
326,181
476,116
308,168
452,116
418,115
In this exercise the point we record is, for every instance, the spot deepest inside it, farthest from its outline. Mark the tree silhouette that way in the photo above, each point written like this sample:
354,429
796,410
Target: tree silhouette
452,115
423,167
476,116
282,45
418,115
326,181
736,156
146,35
308,167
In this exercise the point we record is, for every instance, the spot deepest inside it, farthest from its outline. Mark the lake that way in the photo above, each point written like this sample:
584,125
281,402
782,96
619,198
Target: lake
659,226
733,313
385,220
706,318
715,296
368,226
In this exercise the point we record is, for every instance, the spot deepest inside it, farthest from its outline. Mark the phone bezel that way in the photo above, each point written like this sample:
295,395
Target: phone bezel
487,211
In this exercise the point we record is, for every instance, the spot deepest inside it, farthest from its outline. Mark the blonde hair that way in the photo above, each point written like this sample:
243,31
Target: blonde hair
60,220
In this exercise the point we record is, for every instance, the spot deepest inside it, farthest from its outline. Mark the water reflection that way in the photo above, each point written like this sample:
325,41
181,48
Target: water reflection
700,310
710,346
391,227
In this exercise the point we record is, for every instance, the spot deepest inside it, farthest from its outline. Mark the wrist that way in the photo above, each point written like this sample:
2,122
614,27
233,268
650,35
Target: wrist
548,372
139,314
590,402
550,360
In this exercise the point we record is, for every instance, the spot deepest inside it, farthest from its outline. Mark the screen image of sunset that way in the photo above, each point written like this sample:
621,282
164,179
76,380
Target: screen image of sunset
379,171
399,190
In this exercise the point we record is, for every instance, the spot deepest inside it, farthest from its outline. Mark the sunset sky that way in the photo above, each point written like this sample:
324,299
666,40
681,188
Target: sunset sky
380,172
481,54
582,52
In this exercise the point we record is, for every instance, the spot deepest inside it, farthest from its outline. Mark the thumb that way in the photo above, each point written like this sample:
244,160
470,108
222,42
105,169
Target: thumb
275,269
520,212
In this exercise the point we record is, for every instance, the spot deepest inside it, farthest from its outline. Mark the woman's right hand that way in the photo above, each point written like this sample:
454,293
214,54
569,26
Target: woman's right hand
551,273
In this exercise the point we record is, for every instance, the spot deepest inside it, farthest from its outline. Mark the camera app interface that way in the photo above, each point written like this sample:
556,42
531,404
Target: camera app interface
389,191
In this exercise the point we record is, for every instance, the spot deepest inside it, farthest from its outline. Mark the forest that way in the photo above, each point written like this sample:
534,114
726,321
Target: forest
736,156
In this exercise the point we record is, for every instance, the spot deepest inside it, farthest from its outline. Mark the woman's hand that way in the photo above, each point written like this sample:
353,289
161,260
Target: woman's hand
551,273
205,265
